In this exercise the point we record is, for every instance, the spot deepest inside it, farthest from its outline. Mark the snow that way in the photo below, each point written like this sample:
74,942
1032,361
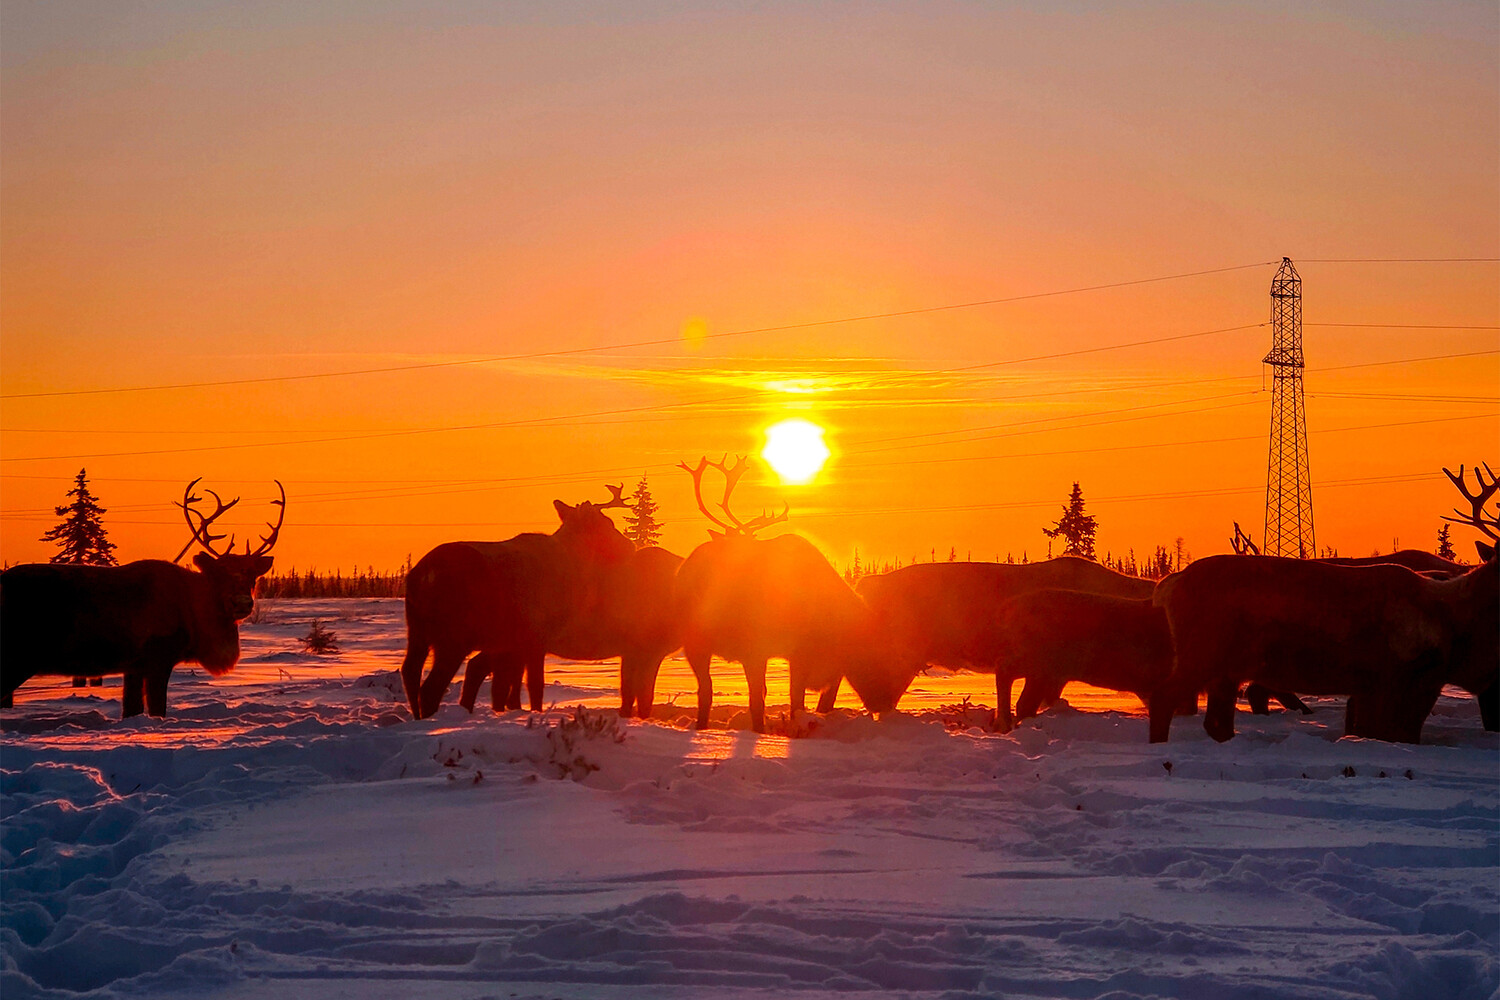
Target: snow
288,831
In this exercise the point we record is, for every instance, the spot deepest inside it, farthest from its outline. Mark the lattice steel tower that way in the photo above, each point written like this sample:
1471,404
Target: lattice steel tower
1289,518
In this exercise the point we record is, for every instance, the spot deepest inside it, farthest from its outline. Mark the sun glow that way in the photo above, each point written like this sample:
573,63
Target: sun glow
795,449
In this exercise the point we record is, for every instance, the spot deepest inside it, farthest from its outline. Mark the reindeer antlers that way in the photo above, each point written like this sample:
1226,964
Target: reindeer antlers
1243,544
200,530
268,541
206,538
616,500
1488,524
732,475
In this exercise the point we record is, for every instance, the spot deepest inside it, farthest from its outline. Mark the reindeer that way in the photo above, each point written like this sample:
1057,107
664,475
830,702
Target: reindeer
1052,637
1384,635
140,619
749,599
511,600
944,614
635,623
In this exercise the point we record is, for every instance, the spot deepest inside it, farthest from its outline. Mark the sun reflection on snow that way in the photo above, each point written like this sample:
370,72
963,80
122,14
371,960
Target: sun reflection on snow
715,745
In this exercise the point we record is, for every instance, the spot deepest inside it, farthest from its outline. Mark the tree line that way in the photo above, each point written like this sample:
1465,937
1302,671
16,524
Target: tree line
83,540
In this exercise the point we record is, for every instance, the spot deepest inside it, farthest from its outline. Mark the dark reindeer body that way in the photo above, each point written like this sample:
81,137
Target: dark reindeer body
634,621
747,600
510,600
1435,567
1052,637
944,614
1384,635
140,619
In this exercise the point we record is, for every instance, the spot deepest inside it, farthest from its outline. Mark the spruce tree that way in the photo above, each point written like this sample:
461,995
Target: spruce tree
1075,527
81,533
641,525
1445,545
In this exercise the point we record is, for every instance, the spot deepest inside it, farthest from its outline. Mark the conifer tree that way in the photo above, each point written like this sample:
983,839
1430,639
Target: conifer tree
1075,527
641,525
1445,545
81,533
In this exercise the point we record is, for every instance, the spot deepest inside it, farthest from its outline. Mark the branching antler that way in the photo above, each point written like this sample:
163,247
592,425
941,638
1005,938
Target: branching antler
616,500
697,474
1489,524
200,531
1243,544
732,475
267,542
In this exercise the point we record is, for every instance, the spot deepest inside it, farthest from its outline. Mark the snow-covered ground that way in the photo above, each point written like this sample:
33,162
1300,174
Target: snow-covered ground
289,832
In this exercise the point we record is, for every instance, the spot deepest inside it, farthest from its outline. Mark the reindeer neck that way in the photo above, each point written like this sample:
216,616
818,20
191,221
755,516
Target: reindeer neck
215,636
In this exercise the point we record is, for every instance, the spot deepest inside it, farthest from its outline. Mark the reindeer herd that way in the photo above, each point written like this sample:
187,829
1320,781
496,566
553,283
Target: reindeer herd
1386,632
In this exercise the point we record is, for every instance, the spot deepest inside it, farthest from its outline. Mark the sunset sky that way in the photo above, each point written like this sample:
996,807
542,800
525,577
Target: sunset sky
656,211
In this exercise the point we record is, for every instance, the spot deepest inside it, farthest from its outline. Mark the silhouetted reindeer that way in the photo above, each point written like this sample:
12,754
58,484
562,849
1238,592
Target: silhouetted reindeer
945,614
1386,636
1052,637
749,599
512,600
140,619
635,622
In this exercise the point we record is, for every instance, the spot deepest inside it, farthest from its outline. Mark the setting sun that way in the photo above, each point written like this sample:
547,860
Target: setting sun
795,449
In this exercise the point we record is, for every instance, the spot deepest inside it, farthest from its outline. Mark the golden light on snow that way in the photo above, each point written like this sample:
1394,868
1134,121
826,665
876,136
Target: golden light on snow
795,449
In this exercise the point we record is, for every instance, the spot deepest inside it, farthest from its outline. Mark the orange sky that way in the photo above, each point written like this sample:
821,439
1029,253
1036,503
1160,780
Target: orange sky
200,192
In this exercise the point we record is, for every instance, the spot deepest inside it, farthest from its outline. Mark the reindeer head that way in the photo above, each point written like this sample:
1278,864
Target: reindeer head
233,574
734,527
1487,524
879,677
587,525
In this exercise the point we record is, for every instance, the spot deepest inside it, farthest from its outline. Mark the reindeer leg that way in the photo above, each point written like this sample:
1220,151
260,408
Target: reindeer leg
829,696
1218,717
628,670
1291,702
1489,707
1258,697
536,679
645,691
445,664
1162,706
156,690
755,677
1004,681
797,691
475,671
79,682
132,697
411,674
505,683
1355,713
699,660
1036,694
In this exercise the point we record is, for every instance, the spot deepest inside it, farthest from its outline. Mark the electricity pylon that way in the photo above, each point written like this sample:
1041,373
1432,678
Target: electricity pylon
1289,518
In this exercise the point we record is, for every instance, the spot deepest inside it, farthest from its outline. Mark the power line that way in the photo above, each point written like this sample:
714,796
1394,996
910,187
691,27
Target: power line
738,396
1404,326
1400,260
598,413
585,476
1102,449
810,324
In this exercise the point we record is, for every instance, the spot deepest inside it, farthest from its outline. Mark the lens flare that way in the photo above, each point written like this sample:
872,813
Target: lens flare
795,449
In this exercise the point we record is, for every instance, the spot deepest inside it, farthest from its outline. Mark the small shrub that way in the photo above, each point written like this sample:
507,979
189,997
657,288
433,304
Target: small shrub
320,640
